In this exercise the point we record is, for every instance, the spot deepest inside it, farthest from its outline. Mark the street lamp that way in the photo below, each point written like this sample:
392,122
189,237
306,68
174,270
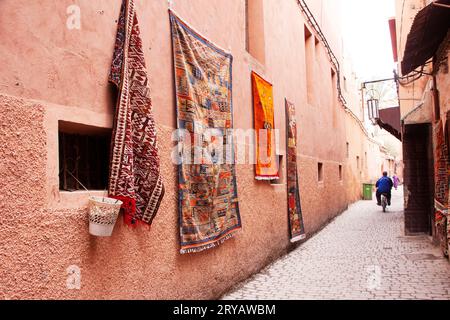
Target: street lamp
372,106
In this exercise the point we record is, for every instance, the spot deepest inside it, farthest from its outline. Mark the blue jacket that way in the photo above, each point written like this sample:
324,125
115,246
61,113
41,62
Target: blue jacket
384,184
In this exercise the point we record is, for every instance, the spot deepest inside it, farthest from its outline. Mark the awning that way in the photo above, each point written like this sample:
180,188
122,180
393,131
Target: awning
427,32
389,120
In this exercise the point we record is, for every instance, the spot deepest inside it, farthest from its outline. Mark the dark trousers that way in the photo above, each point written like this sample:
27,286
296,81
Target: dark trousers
388,196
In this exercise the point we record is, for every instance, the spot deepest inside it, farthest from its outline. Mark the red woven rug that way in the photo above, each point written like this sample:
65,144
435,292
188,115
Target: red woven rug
134,169
296,227
441,188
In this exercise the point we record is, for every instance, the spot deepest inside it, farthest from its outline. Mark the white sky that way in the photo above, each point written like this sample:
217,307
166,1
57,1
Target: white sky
367,38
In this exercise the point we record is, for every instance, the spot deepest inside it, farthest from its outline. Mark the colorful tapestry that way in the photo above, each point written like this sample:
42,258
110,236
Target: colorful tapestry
208,202
266,167
134,175
447,150
296,227
441,190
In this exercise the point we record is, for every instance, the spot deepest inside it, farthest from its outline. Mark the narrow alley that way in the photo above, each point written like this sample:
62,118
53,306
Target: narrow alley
362,254
194,150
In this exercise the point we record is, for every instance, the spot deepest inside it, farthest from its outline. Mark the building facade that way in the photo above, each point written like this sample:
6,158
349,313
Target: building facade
424,101
54,89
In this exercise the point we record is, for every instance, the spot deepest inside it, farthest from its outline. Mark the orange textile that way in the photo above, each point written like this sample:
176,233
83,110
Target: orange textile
266,167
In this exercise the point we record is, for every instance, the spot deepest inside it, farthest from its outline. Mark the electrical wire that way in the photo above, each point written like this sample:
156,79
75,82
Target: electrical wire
408,80
437,4
416,76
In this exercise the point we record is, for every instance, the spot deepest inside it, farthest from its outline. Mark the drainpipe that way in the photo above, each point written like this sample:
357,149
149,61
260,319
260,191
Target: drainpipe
437,106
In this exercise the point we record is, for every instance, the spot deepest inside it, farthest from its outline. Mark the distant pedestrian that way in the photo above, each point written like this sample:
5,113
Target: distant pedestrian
396,181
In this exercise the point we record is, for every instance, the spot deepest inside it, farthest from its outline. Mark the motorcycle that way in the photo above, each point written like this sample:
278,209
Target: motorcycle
384,201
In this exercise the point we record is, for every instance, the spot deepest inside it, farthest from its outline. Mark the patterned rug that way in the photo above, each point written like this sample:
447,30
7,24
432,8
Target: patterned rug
208,202
441,190
134,174
296,226
266,162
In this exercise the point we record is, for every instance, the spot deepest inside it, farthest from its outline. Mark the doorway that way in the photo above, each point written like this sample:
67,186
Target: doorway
418,178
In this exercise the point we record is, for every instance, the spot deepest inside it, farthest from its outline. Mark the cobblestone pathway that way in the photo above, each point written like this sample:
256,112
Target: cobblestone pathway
362,254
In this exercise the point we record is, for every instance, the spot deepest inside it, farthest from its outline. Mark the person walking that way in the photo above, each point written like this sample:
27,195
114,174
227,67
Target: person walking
396,181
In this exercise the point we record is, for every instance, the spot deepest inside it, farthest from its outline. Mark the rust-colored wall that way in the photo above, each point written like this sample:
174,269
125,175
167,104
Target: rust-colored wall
51,73
412,93
418,108
443,87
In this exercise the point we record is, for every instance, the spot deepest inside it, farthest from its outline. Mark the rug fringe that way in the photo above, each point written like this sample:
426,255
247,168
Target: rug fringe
207,246
298,238
440,207
267,178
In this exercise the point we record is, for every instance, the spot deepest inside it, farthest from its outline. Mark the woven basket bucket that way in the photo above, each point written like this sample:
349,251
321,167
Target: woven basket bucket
103,212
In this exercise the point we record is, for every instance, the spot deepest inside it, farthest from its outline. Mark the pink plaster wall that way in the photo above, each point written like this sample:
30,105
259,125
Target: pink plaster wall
51,73
443,86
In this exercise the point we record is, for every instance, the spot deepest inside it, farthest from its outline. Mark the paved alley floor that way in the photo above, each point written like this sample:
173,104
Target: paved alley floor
362,254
